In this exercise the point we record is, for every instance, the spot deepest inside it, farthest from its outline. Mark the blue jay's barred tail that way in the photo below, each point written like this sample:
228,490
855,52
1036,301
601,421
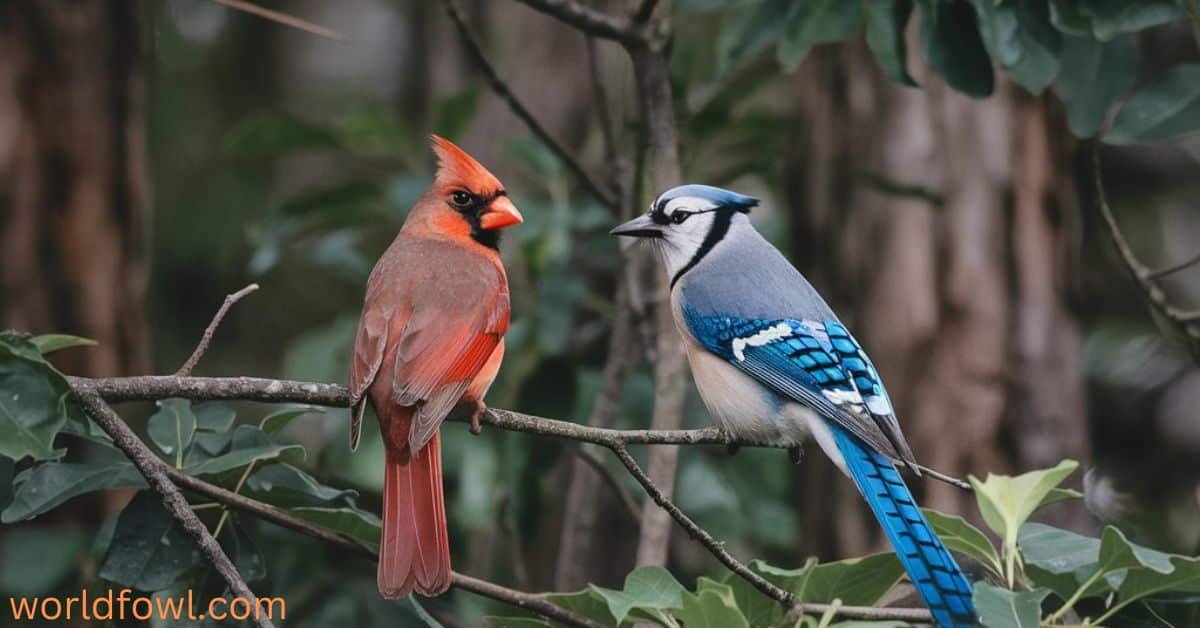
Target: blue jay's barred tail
929,564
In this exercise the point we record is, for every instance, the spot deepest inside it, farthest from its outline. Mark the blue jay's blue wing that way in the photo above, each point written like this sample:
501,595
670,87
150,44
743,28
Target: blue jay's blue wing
821,366
814,363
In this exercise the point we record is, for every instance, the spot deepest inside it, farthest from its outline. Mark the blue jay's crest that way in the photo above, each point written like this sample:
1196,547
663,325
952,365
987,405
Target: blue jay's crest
716,197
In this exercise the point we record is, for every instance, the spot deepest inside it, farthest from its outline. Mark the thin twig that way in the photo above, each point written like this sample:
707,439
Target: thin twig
1183,320
592,22
644,11
198,353
156,473
1170,270
623,495
153,387
605,196
283,18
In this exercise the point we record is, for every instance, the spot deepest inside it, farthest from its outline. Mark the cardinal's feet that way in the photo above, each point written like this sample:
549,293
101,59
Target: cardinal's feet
476,415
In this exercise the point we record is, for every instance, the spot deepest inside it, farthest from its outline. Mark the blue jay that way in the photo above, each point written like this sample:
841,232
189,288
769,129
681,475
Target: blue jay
773,363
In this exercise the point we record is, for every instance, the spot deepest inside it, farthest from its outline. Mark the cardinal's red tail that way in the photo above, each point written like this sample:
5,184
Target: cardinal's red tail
413,550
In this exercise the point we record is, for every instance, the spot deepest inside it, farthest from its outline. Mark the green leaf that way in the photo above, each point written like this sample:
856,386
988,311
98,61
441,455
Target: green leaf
1007,502
267,136
750,27
759,609
887,21
855,581
962,537
49,343
453,114
38,559
172,427
34,400
1019,35
952,45
586,602
149,551
1093,75
711,608
652,590
213,416
276,421
1055,550
358,524
1110,18
249,444
1001,608
50,484
1139,583
1167,107
285,486
815,22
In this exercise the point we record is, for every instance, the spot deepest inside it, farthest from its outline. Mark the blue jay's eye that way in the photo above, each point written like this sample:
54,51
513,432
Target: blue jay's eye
678,216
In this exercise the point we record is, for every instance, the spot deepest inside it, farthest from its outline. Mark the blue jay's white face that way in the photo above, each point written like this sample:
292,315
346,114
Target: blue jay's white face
686,223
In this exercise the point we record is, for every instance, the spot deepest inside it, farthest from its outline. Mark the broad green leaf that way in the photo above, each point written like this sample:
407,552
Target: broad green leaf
1110,18
1092,76
652,590
1139,583
1007,502
267,136
586,602
213,416
38,559
709,609
1055,550
1019,35
815,22
952,45
149,551
358,524
757,608
750,27
1167,107
172,427
48,343
1068,17
962,537
453,114
34,400
48,485
276,421
855,581
1001,608
886,22
285,486
249,444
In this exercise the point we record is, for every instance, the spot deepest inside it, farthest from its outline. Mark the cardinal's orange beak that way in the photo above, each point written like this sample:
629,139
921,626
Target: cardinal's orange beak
500,213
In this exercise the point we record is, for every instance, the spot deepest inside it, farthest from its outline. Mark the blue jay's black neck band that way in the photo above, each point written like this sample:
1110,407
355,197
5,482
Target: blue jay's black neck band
722,219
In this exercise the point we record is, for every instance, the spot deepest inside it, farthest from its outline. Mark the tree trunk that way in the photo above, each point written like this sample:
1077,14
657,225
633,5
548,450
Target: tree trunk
73,188
934,225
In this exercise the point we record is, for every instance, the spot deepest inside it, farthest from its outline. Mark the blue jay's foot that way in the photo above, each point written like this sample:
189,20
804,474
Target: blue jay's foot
477,414
796,454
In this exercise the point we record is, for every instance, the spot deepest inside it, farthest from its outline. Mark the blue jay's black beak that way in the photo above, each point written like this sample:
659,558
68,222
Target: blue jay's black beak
640,227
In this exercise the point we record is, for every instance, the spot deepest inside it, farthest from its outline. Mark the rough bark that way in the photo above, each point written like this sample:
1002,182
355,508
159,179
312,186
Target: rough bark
73,189
936,226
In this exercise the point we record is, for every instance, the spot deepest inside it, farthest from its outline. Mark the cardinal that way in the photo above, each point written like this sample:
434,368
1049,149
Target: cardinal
431,336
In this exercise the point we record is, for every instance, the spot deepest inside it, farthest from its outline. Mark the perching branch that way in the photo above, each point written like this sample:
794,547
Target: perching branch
605,196
155,472
282,18
1186,321
153,387
190,364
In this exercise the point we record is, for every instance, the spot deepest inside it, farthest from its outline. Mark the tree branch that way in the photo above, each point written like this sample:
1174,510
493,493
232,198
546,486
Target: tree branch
627,500
155,472
1183,320
605,196
190,364
282,18
593,22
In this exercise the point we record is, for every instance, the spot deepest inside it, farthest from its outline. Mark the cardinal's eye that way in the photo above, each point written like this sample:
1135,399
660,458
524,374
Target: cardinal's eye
678,216
460,198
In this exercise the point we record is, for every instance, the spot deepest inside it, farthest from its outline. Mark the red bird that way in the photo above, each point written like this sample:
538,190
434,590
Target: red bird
430,337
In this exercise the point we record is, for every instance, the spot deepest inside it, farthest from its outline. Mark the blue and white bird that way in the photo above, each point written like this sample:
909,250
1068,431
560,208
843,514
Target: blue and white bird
773,363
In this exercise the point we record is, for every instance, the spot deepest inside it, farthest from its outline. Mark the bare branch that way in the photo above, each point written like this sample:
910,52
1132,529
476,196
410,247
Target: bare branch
155,472
1183,320
190,364
644,11
591,21
506,94
283,18
626,499
1174,268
